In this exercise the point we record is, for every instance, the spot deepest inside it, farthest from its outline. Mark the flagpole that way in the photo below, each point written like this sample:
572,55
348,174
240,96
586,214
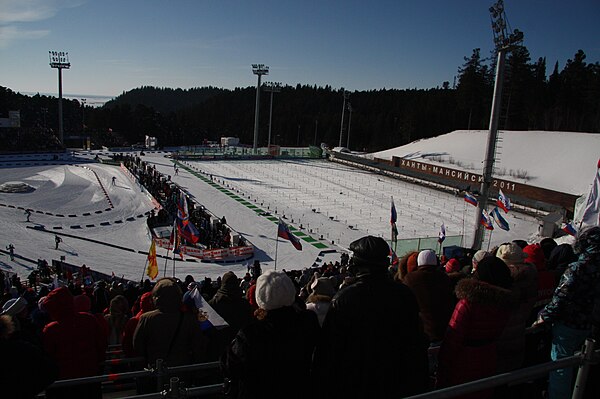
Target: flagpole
490,240
276,246
144,271
462,242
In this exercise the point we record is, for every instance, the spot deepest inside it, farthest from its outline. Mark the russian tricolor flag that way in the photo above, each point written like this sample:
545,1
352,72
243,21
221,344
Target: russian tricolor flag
569,229
486,220
284,232
503,202
471,199
500,221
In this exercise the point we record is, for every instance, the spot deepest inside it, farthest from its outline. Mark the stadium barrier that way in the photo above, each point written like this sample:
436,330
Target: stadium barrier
584,360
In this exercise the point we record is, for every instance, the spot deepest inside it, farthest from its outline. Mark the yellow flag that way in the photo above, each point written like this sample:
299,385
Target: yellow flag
152,271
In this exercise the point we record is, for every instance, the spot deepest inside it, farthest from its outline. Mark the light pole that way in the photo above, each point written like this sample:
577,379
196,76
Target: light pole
273,87
345,94
83,101
60,61
258,69
349,122
504,40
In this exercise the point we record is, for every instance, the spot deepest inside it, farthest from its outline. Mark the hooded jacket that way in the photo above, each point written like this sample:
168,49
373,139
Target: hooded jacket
573,301
157,330
146,304
74,340
468,351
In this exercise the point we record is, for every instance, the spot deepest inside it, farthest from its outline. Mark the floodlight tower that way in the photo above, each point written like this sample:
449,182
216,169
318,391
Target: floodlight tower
258,69
273,87
345,94
83,101
505,40
349,123
60,61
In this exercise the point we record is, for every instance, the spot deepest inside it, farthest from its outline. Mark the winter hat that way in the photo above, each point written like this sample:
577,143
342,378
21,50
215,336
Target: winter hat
323,286
411,263
535,255
561,256
427,258
370,252
82,303
14,306
452,266
493,270
511,253
274,290
548,244
479,255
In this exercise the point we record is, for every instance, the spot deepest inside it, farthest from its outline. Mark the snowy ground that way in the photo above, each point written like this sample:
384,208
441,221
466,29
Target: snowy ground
331,203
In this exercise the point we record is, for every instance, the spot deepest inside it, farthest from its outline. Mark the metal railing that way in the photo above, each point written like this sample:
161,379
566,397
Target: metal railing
583,360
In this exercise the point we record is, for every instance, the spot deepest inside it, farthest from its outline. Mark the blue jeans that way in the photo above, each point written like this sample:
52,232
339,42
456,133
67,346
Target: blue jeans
565,342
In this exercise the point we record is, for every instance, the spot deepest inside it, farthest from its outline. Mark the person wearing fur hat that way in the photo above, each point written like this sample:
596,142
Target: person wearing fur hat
573,310
271,357
373,344
468,351
166,332
433,289
322,290
511,344
75,342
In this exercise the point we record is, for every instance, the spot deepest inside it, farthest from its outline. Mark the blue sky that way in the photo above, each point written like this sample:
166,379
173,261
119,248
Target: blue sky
118,45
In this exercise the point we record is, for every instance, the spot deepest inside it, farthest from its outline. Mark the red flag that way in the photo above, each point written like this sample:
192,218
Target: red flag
284,232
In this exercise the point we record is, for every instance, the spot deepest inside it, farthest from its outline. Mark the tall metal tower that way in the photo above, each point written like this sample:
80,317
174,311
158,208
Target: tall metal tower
60,61
504,39
273,87
345,94
258,69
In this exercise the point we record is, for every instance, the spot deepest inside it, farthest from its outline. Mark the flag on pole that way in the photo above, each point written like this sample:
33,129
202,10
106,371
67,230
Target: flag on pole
394,216
182,210
500,221
486,220
591,213
395,260
188,231
175,239
442,235
284,232
393,219
503,202
470,198
152,270
569,229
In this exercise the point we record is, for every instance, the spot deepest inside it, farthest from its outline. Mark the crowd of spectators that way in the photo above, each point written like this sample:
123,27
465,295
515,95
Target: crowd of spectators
360,327
213,232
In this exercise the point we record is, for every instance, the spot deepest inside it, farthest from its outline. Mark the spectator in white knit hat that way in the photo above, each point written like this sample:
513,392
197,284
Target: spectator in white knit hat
279,344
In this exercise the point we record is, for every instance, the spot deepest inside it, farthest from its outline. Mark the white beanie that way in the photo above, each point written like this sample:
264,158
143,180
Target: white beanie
427,258
274,290
511,253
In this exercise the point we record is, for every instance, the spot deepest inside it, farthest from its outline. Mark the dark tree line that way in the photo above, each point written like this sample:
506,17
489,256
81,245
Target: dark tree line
566,100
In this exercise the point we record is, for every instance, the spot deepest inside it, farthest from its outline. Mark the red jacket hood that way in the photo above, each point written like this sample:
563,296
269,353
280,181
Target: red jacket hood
59,304
535,256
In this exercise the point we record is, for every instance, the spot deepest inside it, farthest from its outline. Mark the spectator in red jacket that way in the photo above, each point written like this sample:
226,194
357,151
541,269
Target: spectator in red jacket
75,342
146,304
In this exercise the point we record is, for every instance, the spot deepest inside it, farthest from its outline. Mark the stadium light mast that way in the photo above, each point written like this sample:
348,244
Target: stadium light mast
504,39
345,94
349,123
60,61
258,69
273,87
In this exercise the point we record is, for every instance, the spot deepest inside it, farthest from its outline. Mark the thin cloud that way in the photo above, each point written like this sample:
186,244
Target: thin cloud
8,34
27,11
